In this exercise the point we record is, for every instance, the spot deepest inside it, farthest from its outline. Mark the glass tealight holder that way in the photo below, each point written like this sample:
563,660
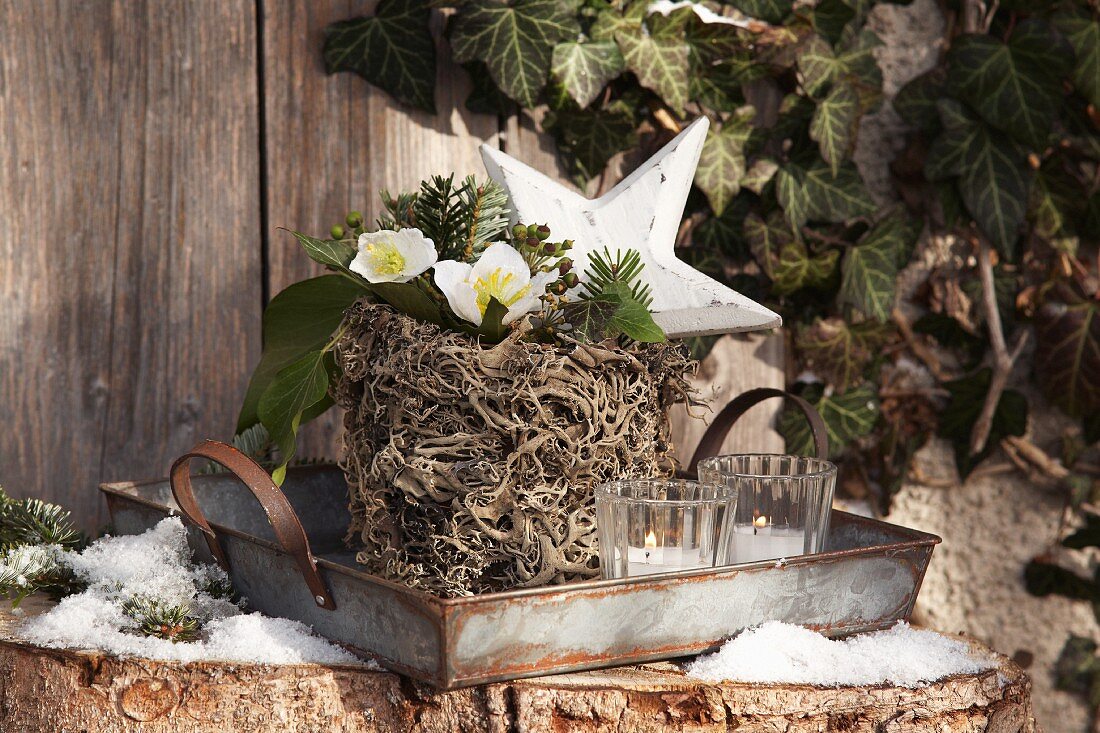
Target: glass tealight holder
650,526
782,506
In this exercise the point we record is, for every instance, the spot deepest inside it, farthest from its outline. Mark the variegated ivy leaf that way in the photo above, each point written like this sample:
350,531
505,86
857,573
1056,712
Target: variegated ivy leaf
964,405
723,235
992,170
583,69
916,101
771,11
722,162
659,60
870,269
1014,85
588,138
784,257
393,50
833,126
759,174
819,64
848,415
515,40
839,352
814,194
1083,33
1067,360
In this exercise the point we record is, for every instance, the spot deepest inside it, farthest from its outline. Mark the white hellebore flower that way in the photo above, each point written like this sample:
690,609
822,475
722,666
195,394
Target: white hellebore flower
500,273
393,257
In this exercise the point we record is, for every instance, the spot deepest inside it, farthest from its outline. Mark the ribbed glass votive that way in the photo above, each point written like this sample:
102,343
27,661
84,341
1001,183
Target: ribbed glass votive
782,505
649,526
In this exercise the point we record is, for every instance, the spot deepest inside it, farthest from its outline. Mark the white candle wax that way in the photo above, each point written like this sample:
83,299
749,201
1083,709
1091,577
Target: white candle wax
651,560
754,544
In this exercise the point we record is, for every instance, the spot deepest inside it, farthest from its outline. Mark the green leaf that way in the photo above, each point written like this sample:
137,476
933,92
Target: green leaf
870,269
632,317
1015,86
393,50
724,234
515,40
1044,579
722,162
1067,357
585,68
759,175
587,139
833,126
847,415
916,101
784,257
839,353
830,18
772,11
300,319
1087,536
817,64
492,327
485,96
967,395
410,300
1083,33
331,253
815,194
590,317
661,63
992,170
298,387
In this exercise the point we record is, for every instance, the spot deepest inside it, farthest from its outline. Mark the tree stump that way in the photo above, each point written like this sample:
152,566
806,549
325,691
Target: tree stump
51,691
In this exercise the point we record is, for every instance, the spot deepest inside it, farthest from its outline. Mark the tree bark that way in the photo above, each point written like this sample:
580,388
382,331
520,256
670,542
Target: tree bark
51,691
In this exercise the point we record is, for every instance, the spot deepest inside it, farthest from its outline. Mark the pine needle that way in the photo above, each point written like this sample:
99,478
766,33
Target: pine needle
625,267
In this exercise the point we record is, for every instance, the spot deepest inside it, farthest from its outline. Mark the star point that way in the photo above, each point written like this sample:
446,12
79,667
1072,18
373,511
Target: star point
642,212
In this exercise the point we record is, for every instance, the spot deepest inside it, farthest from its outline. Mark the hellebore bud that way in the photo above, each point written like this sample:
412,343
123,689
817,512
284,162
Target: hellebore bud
337,231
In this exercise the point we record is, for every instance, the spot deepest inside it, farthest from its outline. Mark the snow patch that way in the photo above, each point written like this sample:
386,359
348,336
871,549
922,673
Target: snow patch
776,652
157,564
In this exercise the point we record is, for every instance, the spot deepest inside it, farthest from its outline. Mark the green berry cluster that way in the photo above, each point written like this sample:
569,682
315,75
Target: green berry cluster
533,242
354,227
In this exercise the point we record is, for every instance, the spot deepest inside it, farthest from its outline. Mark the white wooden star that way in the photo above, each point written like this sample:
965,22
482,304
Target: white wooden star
643,212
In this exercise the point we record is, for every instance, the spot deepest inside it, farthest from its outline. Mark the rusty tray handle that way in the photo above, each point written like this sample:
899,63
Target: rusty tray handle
716,433
288,530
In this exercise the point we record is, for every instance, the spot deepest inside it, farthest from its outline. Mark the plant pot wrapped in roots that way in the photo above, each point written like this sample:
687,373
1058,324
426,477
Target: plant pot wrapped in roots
471,467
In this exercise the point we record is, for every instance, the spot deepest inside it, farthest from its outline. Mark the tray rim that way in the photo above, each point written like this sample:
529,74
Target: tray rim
445,605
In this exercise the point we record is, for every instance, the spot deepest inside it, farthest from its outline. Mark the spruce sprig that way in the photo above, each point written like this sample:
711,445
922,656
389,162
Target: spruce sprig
486,214
624,267
35,522
174,623
441,216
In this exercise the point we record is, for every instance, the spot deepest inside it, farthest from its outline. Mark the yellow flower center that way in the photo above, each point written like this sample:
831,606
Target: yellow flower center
496,285
386,258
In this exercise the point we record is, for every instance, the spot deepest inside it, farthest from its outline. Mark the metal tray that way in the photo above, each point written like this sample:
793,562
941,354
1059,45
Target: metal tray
867,578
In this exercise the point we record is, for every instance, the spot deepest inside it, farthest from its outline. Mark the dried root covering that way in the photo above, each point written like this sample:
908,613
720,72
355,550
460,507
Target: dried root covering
471,468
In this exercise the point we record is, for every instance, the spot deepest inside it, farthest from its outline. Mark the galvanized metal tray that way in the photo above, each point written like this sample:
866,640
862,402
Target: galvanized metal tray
867,579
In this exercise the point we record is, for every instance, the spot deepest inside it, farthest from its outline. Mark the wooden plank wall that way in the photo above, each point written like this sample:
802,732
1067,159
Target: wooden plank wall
145,170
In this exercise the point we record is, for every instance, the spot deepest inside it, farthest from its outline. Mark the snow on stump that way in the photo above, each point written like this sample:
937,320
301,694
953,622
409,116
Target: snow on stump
50,690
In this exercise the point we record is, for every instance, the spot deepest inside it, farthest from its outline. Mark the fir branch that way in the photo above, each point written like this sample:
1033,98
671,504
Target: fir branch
441,216
162,620
35,522
486,207
626,268
400,211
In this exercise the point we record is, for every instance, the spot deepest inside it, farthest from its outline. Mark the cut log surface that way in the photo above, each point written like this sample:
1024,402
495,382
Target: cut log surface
52,691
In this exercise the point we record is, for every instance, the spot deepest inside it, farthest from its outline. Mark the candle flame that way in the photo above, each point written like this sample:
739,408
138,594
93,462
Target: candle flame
760,522
650,540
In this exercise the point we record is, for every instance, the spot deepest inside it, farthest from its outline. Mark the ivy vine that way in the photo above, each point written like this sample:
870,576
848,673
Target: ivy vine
1001,173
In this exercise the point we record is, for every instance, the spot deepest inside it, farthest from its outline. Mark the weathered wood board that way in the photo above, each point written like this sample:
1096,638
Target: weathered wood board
144,171
94,693
130,273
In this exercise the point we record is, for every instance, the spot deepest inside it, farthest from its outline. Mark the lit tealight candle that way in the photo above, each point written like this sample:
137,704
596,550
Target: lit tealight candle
759,540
